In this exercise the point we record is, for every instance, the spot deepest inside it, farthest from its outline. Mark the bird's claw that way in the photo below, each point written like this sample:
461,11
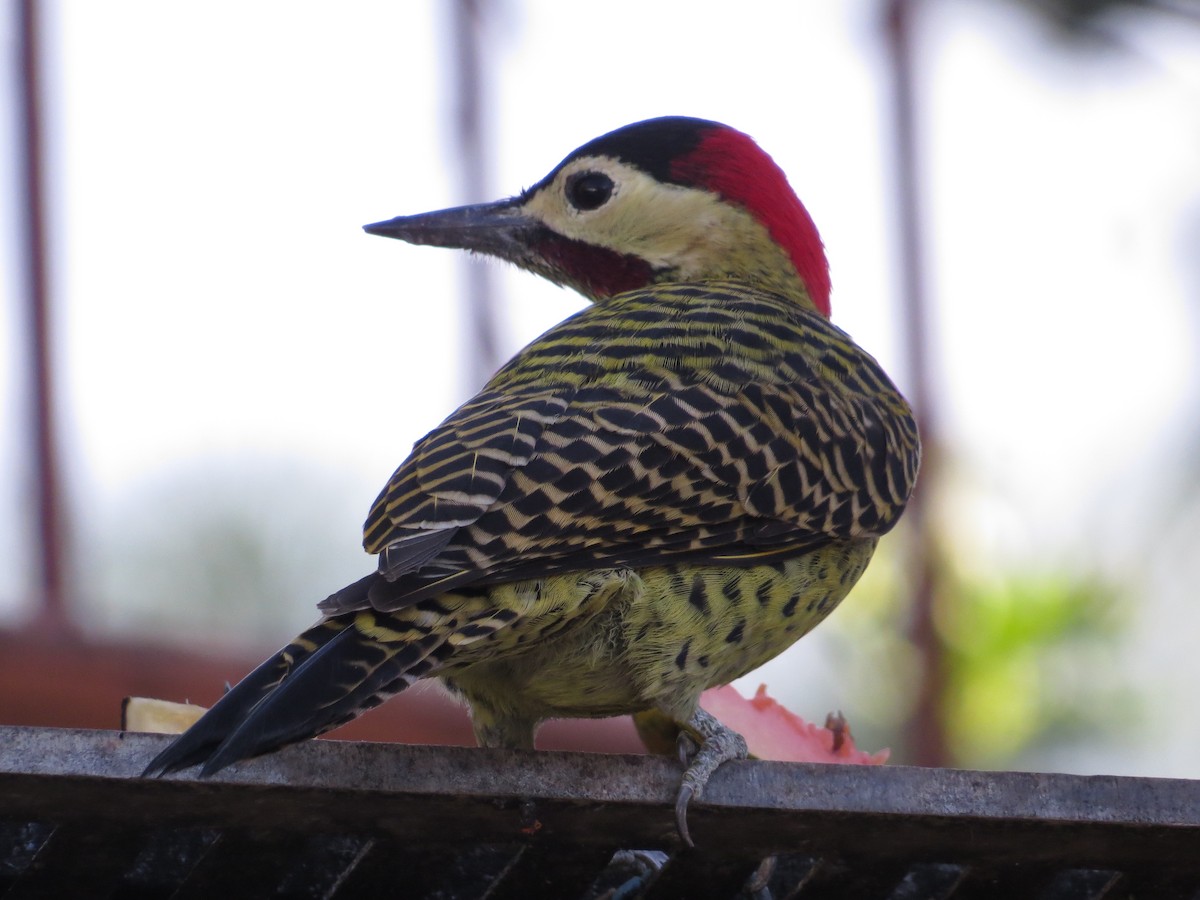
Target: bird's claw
686,792
717,744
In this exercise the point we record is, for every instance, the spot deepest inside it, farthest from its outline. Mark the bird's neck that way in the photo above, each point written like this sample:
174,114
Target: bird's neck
753,264
725,243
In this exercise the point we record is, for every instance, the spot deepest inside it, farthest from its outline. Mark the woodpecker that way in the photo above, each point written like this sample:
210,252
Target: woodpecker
655,497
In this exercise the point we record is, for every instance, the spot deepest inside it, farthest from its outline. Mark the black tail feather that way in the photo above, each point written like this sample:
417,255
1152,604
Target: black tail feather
337,669
342,666
350,674
198,742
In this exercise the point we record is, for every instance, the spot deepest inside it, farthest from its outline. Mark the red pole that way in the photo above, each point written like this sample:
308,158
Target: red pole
474,154
926,738
52,612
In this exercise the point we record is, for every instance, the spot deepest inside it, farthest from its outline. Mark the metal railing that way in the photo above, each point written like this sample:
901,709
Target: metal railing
337,820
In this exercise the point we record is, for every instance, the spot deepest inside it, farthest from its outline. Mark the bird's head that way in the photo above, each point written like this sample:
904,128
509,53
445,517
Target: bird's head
666,200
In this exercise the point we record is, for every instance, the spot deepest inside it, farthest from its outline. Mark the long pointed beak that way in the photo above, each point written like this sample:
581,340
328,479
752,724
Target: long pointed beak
499,229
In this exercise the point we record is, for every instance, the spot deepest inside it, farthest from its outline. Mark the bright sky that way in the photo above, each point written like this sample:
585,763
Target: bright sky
217,298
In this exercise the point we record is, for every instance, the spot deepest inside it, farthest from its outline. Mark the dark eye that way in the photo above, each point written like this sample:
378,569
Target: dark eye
589,190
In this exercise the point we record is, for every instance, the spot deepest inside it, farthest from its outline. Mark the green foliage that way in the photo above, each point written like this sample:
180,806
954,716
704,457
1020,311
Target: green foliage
1028,662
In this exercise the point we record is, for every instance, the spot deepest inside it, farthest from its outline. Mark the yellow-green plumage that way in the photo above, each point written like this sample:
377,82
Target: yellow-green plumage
615,641
650,639
655,497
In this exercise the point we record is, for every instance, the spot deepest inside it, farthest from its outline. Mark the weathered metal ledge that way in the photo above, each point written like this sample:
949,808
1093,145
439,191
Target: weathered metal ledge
338,819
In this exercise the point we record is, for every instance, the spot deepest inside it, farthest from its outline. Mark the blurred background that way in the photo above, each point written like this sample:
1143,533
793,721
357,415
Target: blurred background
207,370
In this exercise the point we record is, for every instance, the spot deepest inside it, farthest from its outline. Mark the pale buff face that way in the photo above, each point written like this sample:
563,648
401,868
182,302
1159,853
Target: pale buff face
671,227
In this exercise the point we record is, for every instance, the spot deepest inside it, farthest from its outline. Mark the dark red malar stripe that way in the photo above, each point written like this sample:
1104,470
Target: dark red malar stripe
595,271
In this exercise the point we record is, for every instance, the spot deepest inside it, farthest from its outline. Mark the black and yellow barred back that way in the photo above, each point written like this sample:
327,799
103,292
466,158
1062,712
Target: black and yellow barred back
687,422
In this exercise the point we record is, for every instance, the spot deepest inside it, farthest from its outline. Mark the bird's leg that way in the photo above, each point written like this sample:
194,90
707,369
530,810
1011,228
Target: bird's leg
718,744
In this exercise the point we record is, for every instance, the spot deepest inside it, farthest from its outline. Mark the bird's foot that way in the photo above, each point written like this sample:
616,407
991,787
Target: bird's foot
718,744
